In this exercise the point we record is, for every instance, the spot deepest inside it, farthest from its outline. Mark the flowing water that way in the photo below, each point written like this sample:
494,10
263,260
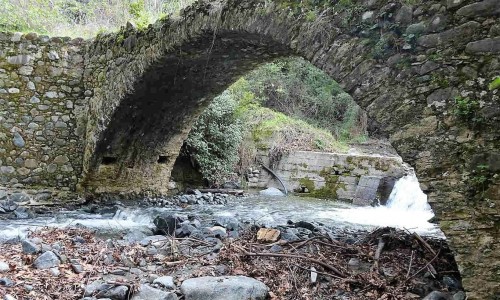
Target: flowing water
407,208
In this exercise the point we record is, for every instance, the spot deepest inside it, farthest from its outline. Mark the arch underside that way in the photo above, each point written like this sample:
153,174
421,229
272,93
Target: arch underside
139,147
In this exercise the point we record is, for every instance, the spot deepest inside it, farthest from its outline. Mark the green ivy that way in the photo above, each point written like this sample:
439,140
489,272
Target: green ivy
495,84
467,110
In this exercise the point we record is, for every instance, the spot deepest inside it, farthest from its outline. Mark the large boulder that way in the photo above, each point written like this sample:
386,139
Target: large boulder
224,288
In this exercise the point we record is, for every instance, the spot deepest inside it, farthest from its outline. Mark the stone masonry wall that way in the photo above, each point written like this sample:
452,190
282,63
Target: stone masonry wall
42,112
330,175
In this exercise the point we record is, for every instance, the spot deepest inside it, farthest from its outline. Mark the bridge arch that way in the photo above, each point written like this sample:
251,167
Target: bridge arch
404,64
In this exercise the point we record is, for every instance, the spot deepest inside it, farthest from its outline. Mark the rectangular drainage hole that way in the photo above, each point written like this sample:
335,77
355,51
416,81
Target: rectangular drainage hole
108,160
162,159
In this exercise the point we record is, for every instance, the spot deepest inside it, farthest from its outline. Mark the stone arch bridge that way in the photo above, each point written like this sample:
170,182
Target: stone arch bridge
110,114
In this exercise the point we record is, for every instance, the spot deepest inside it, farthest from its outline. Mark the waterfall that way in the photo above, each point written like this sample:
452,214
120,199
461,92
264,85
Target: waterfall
407,208
406,195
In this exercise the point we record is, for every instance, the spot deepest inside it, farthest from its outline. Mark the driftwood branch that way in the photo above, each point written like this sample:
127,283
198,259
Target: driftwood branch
324,265
380,247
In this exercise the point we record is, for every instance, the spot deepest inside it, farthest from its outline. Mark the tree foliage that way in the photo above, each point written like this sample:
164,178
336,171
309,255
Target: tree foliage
82,18
296,88
214,139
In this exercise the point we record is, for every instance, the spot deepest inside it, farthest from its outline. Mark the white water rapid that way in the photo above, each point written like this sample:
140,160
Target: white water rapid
407,208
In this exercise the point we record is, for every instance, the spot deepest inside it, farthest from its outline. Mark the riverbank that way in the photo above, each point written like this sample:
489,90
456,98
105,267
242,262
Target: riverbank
283,247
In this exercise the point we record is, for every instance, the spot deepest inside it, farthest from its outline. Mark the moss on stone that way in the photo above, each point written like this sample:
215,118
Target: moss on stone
307,183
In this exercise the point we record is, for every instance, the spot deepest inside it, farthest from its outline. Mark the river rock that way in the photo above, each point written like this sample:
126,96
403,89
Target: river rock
29,247
147,292
436,295
230,223
4,267
167,224
6,282
47,260
271,192
224,288
165,281
8,205
115,293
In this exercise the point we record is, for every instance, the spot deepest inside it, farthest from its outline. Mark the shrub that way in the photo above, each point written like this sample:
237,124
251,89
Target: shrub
215,138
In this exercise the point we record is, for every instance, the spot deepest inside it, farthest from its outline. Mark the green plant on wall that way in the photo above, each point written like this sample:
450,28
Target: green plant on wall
467,110
495,84
479,179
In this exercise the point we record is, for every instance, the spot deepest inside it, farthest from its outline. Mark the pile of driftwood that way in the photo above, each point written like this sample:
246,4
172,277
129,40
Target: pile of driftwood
383,264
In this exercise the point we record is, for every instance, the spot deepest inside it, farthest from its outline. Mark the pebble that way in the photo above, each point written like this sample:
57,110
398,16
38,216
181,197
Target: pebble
4,267
55,272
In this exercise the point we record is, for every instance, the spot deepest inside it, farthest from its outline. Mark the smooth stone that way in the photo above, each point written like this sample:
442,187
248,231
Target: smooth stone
224,288
29,247
47,260
436,295
147,292
271,192
4,267
165,281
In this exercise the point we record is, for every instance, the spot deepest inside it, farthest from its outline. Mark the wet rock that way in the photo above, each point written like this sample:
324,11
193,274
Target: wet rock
8,205
167,224
218,232
21,213
47,260
436,295
29,247
19,197
459,296
230,223
289,236
165,281
147,292
451,283
4,267
135,236
185,230
231,287
271,192
307,225
231,185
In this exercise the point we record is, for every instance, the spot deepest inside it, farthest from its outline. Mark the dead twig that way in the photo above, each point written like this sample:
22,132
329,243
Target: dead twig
424,267
424,243
380,247
409,266
324,265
